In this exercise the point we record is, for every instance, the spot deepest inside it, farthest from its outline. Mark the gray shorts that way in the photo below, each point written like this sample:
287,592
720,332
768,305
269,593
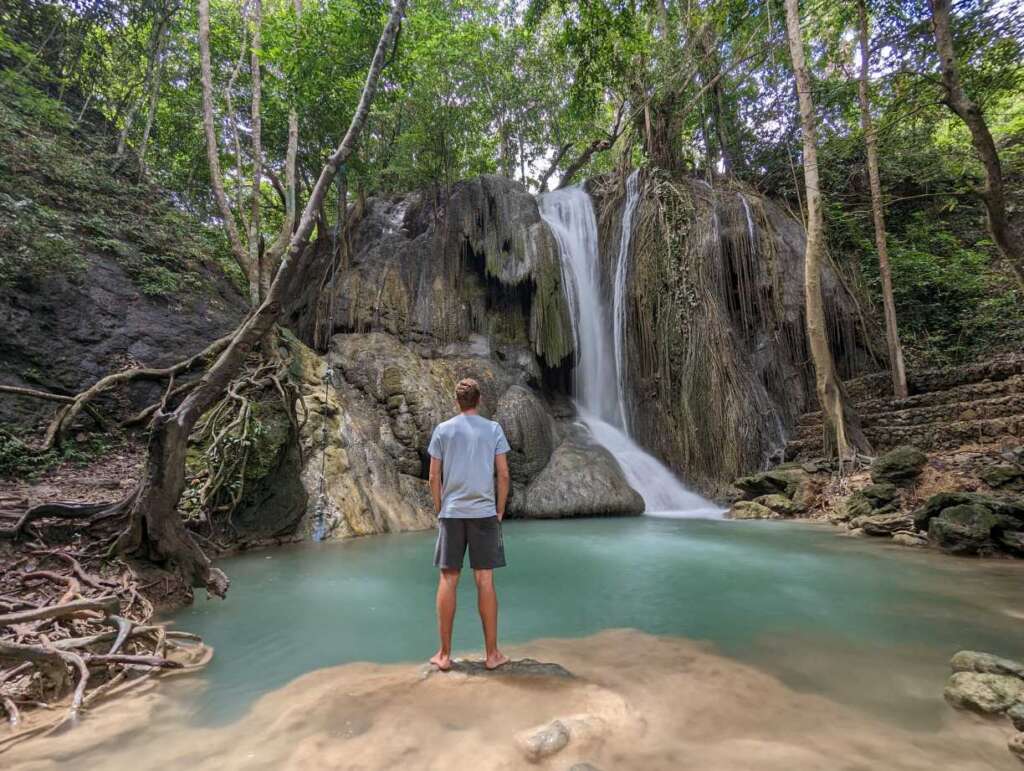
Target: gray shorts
482,536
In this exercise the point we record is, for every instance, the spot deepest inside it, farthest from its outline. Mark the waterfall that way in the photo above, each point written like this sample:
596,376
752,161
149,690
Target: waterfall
619,293
599,376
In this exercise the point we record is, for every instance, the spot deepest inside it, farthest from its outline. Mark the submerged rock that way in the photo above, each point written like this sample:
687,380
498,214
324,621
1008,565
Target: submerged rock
543,741
581,479
898,466
983,692
752,510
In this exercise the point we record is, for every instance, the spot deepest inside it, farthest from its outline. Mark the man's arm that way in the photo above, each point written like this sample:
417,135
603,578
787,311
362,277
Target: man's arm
501,467
435,483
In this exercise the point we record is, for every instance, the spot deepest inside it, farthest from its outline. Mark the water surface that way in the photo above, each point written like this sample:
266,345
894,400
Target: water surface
867,625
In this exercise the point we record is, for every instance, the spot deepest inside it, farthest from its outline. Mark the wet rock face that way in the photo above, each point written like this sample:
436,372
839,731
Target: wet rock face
431,269
63,335
581,479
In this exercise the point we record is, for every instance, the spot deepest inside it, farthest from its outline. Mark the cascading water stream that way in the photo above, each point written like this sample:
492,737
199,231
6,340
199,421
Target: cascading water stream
599,376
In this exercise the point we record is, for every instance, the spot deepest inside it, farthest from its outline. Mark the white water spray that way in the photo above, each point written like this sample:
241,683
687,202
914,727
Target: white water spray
619,293
599,376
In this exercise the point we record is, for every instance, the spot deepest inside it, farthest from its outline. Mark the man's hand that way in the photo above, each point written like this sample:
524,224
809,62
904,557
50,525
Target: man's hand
501,467
436,471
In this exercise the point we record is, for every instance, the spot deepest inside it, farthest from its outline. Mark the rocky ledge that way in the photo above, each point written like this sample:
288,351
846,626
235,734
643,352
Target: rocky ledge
958,504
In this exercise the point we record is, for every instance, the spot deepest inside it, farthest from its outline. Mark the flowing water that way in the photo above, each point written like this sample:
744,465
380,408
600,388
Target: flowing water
599,380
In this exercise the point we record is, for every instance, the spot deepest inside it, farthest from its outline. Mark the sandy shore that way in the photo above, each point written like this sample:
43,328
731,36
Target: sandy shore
638,702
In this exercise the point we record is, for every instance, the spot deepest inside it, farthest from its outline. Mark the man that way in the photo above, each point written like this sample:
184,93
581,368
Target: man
465,452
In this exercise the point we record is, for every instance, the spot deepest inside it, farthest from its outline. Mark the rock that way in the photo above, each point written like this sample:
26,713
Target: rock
883,524
852,507
975,661
963,529
1015,744
780,504
1012,542
583,767
526,668
1016,715
855,532
528,426
783,481
581,479
898,466
881,493
940,501
982,692
1003,476
543,741
752,510
906,538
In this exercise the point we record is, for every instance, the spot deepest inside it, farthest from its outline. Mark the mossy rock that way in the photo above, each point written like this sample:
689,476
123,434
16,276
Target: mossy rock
899,466
1003,476
941,501
781,481
881,493
881,524
985,693
963,529
752,510
780,504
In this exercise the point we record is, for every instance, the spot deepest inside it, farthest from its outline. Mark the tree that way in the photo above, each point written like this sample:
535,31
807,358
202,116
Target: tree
892,335
1007,238
155,528
839,427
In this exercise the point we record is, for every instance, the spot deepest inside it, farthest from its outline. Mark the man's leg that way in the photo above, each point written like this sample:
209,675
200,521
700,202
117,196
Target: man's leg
447,587
487,604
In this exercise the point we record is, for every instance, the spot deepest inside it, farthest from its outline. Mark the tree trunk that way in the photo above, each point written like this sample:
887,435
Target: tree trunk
212,150
155,529
155,47
1006,237
892,335
154,95
829,387
258,270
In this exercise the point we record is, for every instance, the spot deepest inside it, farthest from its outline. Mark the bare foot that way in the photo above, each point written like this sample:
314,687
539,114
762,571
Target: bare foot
495,660
442,661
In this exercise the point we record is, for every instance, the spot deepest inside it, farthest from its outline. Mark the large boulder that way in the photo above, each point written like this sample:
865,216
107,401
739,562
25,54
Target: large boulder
963,529
529,428
581,479
898,466
781,505
982,692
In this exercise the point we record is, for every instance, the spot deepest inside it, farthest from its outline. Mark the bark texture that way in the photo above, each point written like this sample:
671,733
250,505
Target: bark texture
892,335
829,387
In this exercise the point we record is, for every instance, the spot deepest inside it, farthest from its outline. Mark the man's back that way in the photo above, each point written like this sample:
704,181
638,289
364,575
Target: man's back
466,446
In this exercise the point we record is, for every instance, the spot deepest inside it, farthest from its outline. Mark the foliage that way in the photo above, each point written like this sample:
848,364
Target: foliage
476,86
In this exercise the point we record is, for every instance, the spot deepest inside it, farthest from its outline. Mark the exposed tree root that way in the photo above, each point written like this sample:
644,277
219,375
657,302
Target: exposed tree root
82,635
